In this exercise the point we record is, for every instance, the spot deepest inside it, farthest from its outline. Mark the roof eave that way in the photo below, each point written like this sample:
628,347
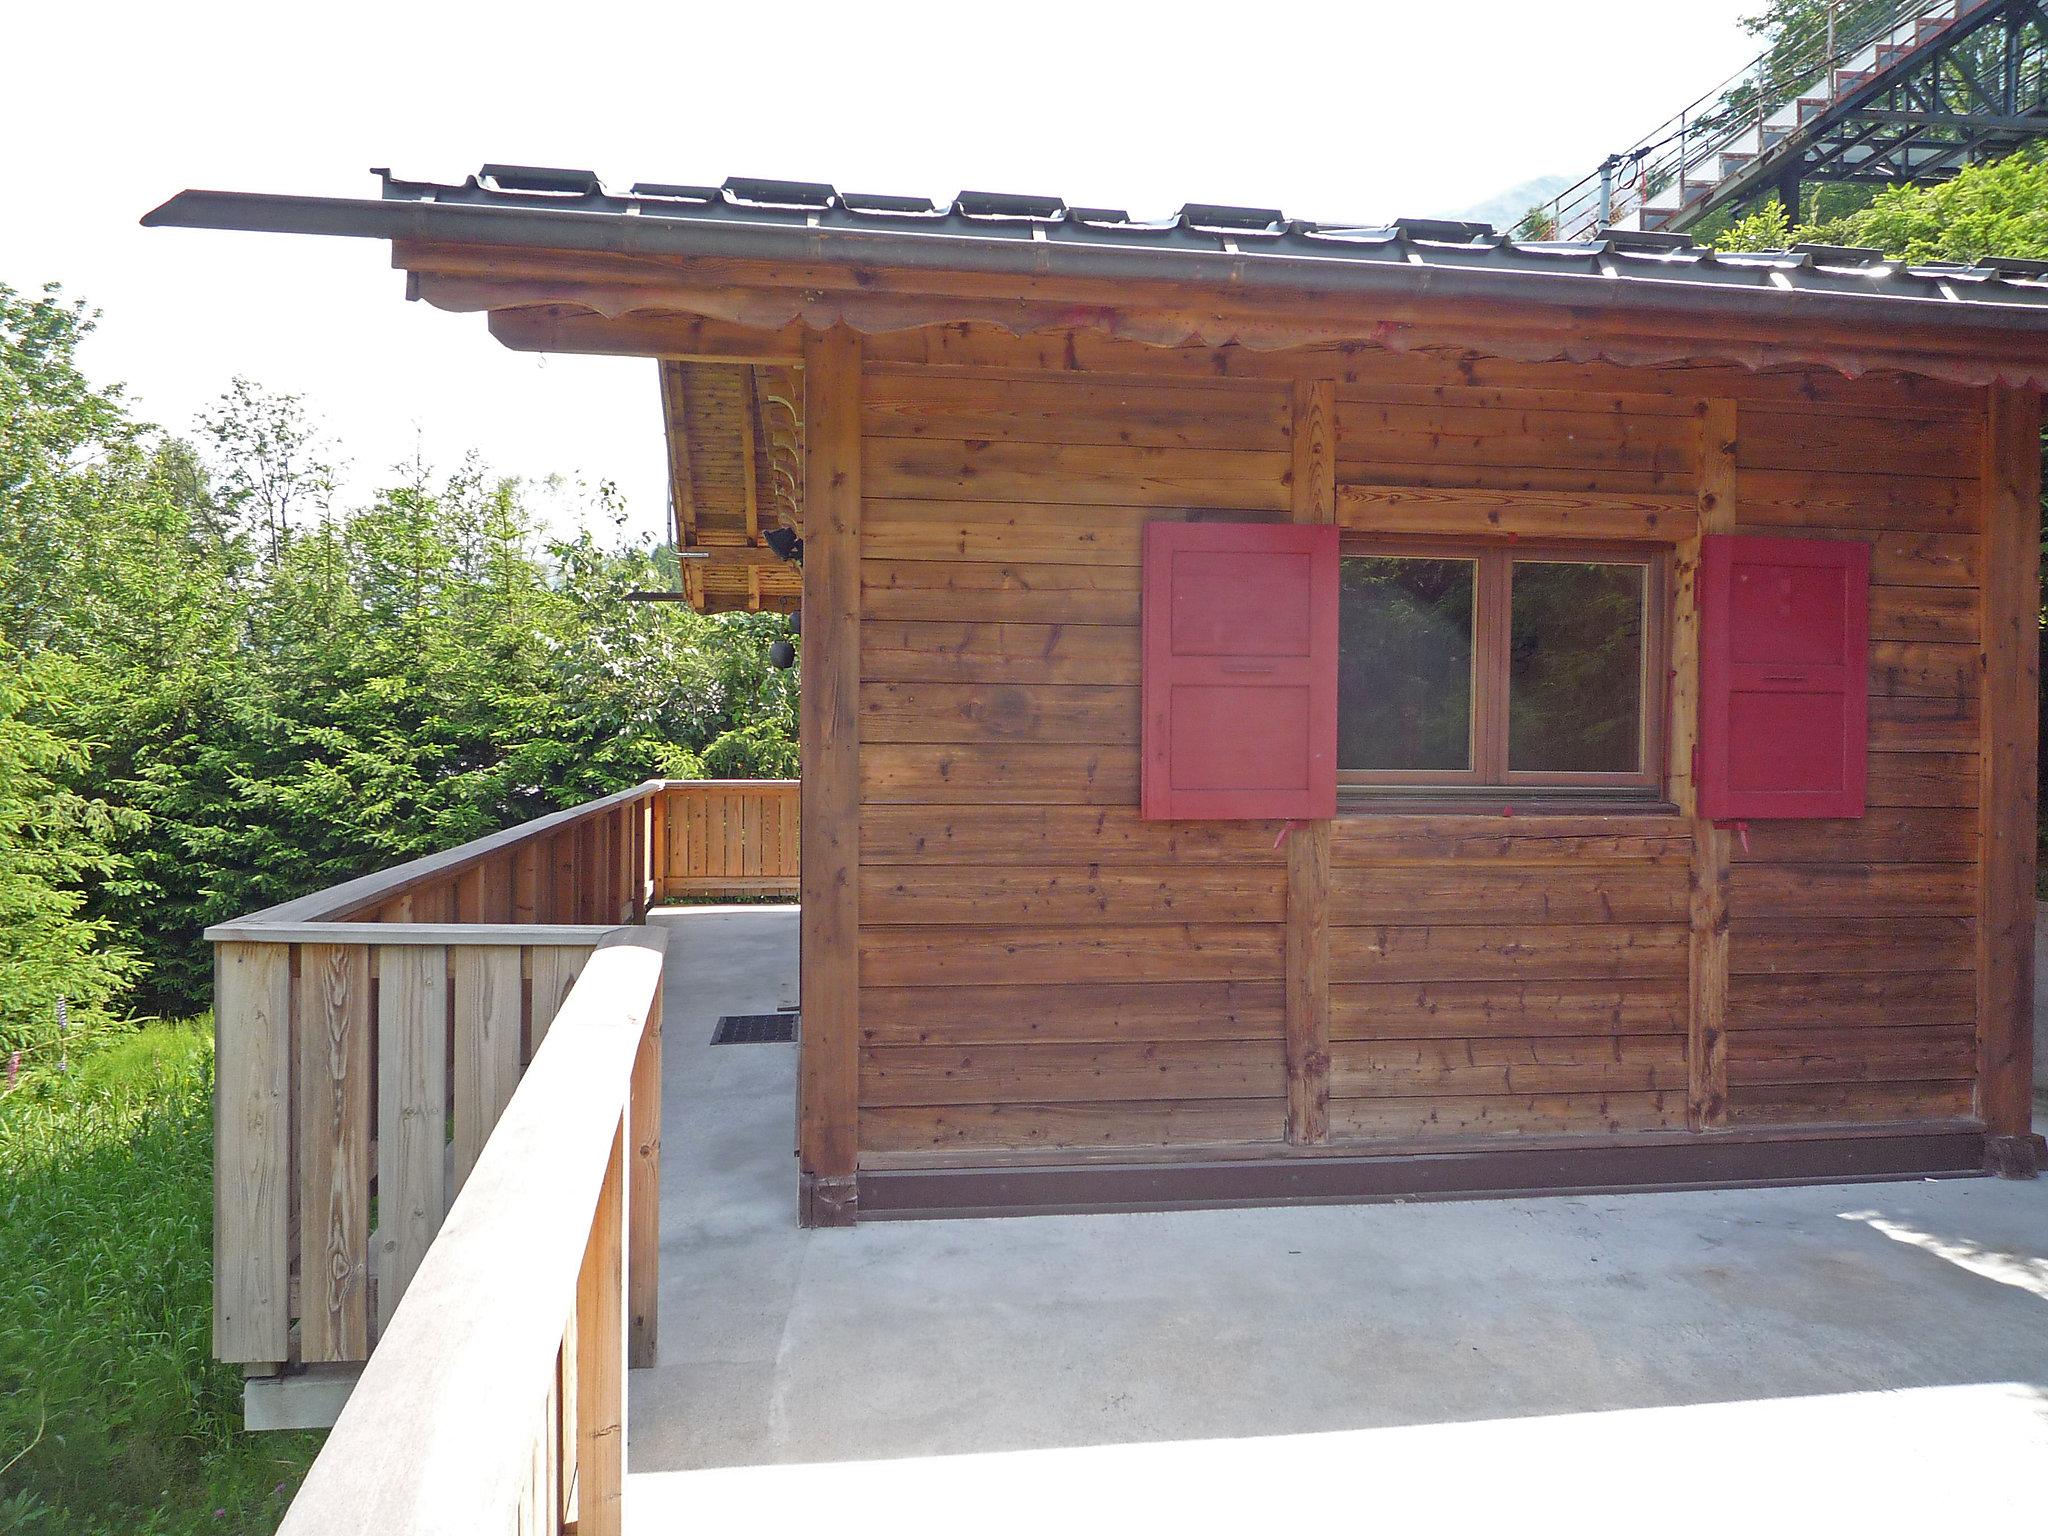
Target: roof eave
1663,298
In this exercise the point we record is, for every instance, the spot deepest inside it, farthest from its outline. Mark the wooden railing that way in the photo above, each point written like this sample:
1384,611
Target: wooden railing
369,1037
496,1400
729,837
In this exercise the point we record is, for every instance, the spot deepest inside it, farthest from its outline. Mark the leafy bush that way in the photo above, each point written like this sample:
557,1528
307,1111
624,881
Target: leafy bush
113,1417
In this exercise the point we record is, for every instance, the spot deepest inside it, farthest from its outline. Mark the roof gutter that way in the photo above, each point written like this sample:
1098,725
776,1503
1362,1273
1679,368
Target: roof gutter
1652,294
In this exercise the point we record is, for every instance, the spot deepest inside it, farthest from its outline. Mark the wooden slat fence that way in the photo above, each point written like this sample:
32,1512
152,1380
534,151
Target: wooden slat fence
729,837
369,1037
367,1040
496,1399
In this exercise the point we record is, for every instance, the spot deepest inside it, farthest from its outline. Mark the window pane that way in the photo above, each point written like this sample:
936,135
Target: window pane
1404,678
1575,668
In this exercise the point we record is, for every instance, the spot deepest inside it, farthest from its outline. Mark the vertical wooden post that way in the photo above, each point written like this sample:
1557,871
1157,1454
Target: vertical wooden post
558,896
1308,846
829,711
412,1098
497,888
2010,477
1706,1046
526,883
590,871
643,1225
636,860
252,999
334,1151
486,1046
601,1358
555,968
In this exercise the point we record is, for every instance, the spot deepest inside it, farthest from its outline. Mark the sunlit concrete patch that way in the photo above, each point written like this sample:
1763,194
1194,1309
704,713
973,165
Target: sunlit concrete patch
1862,1461
2024,1271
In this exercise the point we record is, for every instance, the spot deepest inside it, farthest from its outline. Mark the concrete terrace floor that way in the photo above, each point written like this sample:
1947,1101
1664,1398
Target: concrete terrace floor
1876,1350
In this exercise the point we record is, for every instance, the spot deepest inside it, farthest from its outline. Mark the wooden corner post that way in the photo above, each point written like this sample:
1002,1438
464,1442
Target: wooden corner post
829,727
1706,1038
2010,477
1308,847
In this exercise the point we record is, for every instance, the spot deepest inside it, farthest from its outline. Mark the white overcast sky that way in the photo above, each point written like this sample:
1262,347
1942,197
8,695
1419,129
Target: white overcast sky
1367,111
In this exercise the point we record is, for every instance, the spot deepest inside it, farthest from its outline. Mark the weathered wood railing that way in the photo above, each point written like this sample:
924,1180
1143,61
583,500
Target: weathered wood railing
496,1399
369,1037
729,837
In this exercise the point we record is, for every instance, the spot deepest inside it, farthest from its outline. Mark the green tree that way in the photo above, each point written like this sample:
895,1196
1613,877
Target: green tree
1997,208
51,842
267,693
273,464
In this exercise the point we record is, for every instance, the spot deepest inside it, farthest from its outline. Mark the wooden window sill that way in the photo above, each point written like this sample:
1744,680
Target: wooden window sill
1498,802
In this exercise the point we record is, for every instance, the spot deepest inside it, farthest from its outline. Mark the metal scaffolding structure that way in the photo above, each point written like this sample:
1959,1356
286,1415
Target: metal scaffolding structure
1910,94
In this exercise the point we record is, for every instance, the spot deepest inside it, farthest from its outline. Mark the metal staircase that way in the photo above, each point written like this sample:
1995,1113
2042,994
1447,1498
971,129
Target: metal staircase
1911,93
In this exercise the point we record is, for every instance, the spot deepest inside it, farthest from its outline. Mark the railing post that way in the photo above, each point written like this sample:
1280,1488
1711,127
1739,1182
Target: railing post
251,1153
643,1227
601,1357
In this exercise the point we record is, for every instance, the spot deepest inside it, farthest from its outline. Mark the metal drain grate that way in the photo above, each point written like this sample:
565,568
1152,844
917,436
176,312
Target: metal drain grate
755,1029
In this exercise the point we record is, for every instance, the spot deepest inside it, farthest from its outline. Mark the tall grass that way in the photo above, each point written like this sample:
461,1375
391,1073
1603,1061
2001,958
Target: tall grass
113,1417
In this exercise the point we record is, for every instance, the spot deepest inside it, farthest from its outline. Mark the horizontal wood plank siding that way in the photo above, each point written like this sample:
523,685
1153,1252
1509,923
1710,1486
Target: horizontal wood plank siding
1040,969
1853,944
1044,975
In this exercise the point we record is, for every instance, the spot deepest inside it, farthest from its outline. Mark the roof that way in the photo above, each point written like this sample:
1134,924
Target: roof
735,453
722,283
1246,248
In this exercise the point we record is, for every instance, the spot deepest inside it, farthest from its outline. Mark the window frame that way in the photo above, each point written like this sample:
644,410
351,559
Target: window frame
1489,779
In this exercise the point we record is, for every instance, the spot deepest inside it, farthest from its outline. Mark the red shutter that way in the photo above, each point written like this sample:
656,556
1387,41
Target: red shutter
1784,677
1240,674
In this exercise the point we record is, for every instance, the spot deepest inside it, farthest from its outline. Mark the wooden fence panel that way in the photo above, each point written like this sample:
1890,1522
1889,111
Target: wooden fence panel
532,1367
555,969
334,1151
252,1152
728,838
412,1097
351,1052
487,1043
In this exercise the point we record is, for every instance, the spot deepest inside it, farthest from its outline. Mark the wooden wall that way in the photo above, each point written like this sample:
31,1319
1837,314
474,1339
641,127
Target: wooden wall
1042,973
1852,955
1039,968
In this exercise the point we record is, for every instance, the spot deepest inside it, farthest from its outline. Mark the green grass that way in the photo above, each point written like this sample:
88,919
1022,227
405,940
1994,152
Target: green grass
113,1416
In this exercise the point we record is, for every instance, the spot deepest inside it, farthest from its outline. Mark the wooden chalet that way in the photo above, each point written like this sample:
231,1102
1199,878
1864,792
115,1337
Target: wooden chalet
1302,712
1305,711
1290,712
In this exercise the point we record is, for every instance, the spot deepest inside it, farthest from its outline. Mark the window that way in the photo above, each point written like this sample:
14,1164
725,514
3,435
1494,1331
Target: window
1536,669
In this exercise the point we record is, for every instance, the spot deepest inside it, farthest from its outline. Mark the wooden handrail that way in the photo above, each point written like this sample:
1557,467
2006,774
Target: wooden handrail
495,1401
386,885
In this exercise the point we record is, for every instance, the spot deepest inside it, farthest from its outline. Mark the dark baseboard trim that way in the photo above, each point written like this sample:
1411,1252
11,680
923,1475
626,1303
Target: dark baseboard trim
1703,1162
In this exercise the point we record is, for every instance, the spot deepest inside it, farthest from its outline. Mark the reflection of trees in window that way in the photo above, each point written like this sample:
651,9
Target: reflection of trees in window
1404,679
1575,648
